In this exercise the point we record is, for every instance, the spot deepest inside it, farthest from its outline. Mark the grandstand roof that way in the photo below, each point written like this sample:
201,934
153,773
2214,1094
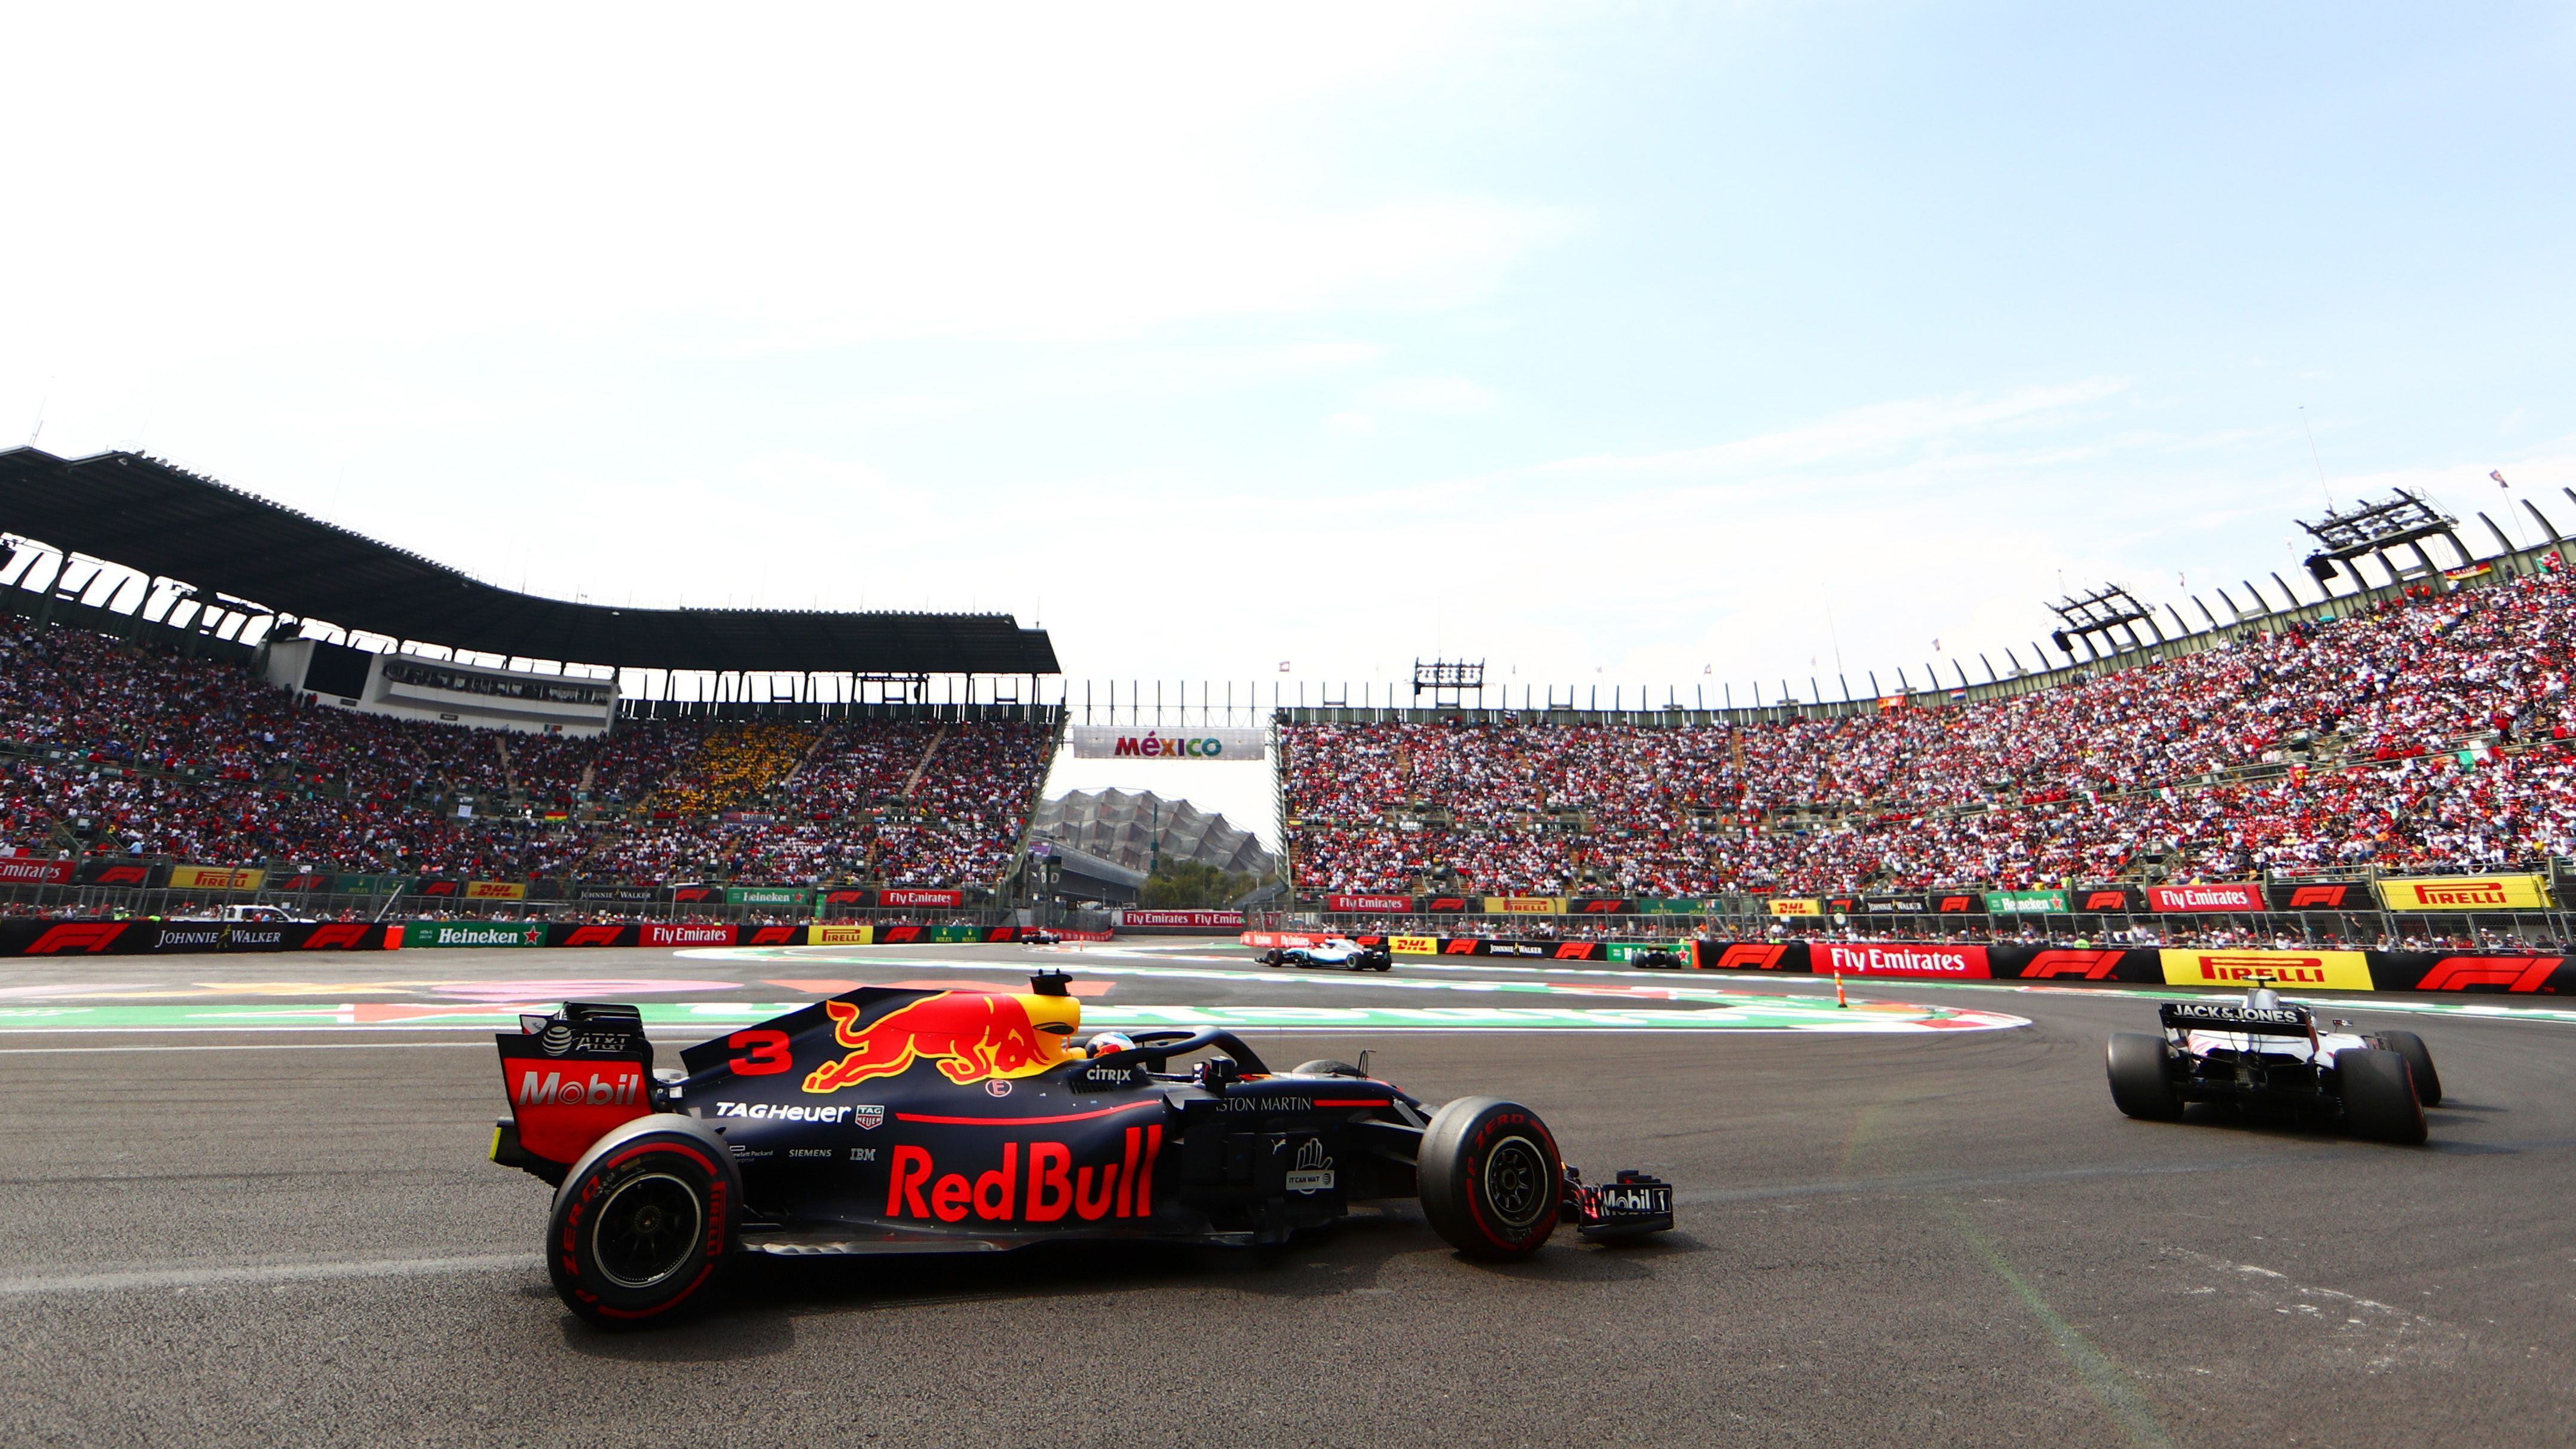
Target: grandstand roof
145,514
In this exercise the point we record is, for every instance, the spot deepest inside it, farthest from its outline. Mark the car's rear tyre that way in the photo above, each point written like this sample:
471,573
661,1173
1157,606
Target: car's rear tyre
641,1232
2419,1064
2139,1085
1490,1179
2379,1096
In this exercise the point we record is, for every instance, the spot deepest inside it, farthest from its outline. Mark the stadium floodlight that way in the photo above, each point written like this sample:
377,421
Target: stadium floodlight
2111,612
2403,521
1445,680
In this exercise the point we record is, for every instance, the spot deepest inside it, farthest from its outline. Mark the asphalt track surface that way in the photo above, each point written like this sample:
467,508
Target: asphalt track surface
1944,1237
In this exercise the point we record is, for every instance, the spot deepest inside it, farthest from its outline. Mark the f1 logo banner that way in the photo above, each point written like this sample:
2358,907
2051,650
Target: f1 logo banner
2433,971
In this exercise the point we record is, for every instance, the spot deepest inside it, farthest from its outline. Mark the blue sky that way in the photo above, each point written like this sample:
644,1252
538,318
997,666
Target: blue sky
1649,344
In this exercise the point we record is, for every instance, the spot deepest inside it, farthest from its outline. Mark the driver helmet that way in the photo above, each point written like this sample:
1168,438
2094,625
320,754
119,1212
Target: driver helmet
1111,1041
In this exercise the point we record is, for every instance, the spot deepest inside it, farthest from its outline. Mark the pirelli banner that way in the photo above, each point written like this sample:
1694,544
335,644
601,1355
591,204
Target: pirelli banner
2466,893
2232,970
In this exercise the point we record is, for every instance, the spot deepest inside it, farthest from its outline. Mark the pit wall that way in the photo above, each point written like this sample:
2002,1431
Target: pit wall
146,937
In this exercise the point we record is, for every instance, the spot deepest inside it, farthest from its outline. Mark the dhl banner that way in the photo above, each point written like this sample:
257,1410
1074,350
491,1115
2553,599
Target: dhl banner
1413,945
215,878
2466,893
1792,906
2290,970
1525,905
496,890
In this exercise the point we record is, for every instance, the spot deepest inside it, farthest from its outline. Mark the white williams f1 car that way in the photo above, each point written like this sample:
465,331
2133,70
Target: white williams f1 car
2264,1052
1339,951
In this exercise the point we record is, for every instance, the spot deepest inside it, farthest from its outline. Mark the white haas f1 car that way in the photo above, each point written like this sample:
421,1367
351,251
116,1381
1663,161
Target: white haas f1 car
1339,951
888,1120
2267,1053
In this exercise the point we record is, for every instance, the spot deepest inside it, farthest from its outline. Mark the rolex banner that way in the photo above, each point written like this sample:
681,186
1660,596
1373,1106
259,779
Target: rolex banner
2466,893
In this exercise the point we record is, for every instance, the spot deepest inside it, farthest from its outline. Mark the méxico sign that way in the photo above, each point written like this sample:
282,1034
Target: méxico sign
1127,742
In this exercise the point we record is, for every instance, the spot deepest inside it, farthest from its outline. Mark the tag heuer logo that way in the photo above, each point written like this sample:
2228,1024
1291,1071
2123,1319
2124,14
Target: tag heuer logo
868,1118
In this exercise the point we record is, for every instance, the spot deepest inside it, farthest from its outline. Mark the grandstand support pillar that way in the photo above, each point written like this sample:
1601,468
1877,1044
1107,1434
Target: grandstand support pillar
2504,545
1990,667
1962,671
2181,629
2548,530
2257,594
2466,558
2286,591
2234,613
1874,690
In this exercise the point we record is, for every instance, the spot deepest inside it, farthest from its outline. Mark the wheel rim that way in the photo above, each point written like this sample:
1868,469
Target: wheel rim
646,1230
1516,1185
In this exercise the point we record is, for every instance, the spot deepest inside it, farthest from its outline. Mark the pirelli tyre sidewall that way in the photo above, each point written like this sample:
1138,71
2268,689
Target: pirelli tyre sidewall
2379,1096
643,1226
2419,1063
1490,1178
2141,1086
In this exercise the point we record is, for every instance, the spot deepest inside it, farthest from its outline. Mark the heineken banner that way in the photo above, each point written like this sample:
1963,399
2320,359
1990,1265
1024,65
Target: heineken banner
418,934
784,897
2466,893
2025,903
1128,742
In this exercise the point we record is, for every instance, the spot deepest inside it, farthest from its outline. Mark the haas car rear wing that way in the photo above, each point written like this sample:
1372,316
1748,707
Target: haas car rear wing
571,1077
2230,1016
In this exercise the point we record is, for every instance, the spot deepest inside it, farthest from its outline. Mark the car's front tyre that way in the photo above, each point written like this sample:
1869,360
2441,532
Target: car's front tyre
641,1231
2379,1096
1490,1178
2139,1084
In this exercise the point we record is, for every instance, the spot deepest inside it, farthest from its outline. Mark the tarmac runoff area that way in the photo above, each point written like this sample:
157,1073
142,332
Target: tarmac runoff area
265,1229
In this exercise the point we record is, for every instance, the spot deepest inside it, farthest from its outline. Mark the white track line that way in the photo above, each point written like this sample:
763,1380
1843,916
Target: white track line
164,1279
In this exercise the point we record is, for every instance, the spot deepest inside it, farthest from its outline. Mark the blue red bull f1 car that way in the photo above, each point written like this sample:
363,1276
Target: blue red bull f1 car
903,1121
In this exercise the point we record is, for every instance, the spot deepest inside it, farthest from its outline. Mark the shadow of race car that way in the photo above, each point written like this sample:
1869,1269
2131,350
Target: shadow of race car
888,1120
1339,951
2265,1053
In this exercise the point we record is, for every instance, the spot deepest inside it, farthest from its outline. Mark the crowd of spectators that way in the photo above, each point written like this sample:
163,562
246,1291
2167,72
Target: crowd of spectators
2429,733
115,747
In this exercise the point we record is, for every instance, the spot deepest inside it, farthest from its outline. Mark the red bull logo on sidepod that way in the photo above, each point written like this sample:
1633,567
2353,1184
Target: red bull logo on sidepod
1052,1187
974,1036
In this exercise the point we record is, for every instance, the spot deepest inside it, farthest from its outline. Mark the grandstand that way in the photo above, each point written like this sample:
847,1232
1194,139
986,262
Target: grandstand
2405,729
158,718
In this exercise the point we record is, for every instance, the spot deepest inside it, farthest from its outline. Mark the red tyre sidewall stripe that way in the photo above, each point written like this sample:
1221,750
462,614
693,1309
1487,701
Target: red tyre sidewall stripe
715,1211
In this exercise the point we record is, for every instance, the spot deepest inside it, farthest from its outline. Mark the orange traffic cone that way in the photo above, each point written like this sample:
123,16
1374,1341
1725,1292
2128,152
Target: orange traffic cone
1838,990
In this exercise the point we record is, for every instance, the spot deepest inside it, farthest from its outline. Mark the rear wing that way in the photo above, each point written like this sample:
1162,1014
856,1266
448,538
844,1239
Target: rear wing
2235,1017
570,1077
